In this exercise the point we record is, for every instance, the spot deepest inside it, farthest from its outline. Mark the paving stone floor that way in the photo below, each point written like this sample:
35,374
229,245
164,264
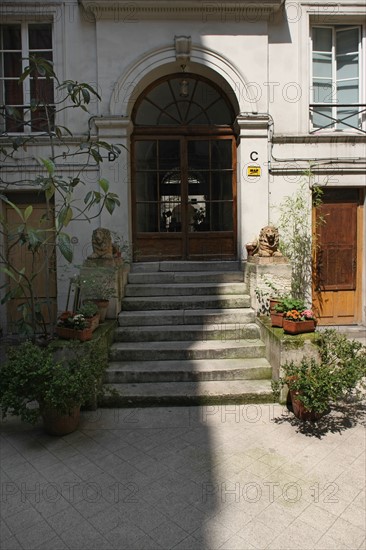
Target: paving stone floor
228,477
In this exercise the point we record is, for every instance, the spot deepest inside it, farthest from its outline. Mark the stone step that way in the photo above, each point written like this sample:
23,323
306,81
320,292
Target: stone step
185,302
187,393
216,265
186,317
164,351
138,372
186,277
220,331
189,289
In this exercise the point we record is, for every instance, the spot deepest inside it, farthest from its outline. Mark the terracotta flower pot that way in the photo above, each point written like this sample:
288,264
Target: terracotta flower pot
72,334
93,321
102,306
277,319
298,327
272,304
299,409
56,423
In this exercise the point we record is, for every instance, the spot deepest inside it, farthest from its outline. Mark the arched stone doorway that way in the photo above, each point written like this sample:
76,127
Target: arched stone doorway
184,171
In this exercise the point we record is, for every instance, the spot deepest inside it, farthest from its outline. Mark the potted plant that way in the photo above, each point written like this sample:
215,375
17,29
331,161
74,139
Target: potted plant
315,384
75,327
98,285
33,385
283,305
296,321
90,311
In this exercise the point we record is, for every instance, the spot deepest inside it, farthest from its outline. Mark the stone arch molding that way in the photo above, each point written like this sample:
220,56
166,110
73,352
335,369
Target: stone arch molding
162,62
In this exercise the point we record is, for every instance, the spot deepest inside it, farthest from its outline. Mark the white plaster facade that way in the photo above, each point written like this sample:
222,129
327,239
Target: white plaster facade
259,53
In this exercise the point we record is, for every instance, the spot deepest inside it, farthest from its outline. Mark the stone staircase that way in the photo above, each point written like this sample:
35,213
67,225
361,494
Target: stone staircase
186,335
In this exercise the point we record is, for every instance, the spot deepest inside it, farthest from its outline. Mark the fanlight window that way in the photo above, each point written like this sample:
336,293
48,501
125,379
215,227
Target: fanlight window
183,100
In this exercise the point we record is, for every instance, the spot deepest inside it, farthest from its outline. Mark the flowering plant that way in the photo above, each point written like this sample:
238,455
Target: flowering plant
77,322
296,315
308,315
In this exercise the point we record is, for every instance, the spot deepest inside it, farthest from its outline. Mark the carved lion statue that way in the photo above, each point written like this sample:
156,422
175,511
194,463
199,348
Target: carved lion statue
102,244
268,241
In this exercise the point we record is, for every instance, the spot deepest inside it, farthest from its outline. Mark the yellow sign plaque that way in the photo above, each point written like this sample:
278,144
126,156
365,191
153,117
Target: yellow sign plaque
253,171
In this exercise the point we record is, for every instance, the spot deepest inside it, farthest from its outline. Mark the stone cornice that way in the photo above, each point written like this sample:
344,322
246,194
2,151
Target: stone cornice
225,10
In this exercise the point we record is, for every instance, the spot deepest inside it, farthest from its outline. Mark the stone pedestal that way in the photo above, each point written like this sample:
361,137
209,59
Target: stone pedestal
266,277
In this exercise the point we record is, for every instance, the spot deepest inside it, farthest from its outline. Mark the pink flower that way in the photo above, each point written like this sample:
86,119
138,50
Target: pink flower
308,314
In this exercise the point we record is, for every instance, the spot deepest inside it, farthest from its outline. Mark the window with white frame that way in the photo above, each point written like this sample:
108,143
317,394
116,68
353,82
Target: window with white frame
22,104
336,100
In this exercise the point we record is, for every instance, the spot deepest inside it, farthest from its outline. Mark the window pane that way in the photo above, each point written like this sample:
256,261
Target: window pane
205,95
221,216
323,91
194,115
161,95
347,91
44,55
40,37
147,114
170,185
347,41
41,90
322,39
322,117
198,154
42,120
166,119
350,117
219,113
146,155
198,185
169,155
322,65
12,64
13,93
147,217
222,187
197,217
14,122
347,66
221,154
11,37
146,186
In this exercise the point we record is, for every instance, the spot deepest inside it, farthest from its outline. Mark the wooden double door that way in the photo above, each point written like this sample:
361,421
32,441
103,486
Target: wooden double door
184,197
339,257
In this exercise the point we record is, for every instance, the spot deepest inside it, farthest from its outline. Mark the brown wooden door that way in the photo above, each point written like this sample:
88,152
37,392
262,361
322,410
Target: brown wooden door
44,283
184,195
338,264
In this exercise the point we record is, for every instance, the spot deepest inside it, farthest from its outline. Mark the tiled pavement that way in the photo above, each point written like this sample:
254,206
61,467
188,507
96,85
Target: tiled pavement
203,478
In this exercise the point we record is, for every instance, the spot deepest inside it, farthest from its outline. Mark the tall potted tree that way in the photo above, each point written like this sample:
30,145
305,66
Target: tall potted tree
65,200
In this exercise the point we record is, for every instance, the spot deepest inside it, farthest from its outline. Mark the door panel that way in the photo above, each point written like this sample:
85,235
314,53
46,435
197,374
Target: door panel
184,187
337,285
21,257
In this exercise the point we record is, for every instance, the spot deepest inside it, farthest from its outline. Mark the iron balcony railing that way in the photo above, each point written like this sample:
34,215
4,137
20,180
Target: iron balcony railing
361,110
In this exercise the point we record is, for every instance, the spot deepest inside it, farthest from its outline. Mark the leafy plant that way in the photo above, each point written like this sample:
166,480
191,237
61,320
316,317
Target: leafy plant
32,379
340,371
123,246
268,291
98,283
88,309
287,303
296,241
64,204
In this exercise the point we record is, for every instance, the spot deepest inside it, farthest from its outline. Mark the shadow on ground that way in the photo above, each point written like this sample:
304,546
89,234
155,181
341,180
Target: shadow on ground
340,417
